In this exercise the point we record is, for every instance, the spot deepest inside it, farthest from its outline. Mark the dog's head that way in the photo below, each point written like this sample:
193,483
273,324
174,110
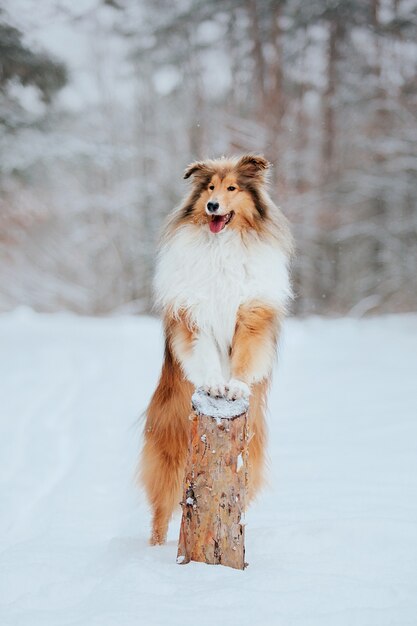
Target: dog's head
227,193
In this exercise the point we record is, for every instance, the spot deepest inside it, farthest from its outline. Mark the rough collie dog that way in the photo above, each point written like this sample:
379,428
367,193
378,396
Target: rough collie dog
222,284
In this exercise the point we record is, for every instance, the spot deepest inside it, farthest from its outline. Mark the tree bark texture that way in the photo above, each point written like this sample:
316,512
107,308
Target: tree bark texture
215,483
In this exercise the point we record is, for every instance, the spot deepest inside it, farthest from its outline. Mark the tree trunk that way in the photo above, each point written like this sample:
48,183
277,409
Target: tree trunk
215,483
257,55
328,164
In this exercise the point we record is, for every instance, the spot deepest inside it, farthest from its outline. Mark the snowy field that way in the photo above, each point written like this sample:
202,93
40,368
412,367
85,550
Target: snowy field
331,542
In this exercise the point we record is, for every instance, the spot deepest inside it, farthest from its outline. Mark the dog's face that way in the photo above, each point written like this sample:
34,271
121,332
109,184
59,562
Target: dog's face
227,193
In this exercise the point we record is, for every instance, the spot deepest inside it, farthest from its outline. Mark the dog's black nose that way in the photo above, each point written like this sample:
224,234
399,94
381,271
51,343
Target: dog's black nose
212,207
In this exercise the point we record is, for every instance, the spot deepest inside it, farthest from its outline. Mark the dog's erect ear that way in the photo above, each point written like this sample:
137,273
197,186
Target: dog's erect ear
198,167
253,165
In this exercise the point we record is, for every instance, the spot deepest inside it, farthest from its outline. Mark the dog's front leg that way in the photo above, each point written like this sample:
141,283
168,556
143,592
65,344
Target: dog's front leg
199,358
253,346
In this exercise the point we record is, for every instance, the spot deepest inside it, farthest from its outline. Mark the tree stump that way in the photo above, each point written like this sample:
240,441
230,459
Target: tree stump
215,483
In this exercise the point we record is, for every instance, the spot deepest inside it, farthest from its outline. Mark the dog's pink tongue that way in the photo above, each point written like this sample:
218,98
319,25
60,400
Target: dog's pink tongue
217,223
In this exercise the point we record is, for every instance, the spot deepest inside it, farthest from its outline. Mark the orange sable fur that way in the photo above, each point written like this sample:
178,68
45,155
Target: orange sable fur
239,186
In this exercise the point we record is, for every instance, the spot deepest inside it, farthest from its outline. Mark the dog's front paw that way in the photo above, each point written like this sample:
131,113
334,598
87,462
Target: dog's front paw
215,387
236,389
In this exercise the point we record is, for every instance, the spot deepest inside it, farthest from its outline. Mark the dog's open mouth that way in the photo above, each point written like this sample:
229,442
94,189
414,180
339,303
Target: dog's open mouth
218,222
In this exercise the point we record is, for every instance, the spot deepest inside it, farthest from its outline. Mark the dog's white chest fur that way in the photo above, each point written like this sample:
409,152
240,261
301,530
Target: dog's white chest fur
211,275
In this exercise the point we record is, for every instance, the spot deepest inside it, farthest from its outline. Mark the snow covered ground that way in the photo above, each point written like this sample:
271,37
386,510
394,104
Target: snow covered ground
332,542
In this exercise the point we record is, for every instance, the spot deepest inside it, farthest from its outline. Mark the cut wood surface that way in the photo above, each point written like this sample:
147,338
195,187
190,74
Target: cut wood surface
215,483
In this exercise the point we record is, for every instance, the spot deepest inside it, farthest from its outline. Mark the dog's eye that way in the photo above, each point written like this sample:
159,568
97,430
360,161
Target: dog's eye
211,187
231,188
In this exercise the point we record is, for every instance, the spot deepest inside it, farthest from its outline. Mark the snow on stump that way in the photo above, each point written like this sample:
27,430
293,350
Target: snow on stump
215,483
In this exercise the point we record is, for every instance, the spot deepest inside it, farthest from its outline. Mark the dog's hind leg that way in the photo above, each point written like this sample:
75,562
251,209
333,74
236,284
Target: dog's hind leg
257,438
161,475
165,448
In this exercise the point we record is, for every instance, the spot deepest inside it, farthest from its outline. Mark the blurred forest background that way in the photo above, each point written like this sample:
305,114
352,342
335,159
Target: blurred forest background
104,102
